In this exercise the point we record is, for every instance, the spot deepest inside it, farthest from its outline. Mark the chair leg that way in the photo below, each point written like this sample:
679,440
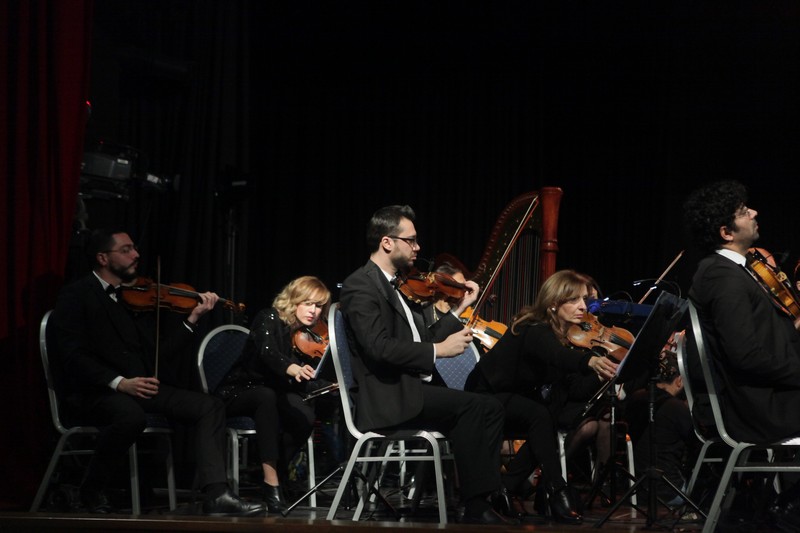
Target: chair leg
312,473
348,471
37,501
173,504
715,510
133,460
697,465
234,461
631,467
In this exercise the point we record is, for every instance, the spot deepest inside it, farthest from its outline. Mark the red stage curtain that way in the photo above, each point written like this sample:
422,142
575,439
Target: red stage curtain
45,64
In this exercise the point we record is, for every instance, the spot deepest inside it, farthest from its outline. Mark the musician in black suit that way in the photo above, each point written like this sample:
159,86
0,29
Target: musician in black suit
754,343
107,353
393,363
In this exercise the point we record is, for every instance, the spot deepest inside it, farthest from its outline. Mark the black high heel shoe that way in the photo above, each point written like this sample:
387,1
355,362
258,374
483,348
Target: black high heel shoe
562,507
273,498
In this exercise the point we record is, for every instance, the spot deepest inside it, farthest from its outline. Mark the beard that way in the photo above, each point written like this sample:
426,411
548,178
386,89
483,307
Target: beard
126,274
403,266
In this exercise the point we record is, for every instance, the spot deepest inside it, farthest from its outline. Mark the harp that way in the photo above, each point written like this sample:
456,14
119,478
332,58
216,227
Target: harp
519,256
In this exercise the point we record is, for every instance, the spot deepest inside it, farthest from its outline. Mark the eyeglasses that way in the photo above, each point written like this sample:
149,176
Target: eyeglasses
742,212
411,241
124,250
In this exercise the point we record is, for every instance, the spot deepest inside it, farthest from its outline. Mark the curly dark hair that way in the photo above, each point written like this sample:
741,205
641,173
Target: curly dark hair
711,207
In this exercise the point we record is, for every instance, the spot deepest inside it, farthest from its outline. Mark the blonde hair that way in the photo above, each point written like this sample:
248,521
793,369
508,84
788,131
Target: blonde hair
302,289
558,289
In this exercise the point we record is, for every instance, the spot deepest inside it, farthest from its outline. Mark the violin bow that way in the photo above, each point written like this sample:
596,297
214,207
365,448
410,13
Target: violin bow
523,222
158,310
661,277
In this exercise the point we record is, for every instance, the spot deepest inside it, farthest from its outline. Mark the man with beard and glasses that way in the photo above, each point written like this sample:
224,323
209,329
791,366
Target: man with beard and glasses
393,363
107,357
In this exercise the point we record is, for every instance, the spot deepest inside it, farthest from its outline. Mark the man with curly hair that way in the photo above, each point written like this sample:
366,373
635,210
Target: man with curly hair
754,342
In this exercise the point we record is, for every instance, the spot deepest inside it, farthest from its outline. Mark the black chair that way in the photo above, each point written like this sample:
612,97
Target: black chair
157,426
219,351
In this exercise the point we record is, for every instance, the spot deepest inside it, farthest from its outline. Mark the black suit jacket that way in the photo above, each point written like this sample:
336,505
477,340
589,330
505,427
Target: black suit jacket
757,348
98,339
387,363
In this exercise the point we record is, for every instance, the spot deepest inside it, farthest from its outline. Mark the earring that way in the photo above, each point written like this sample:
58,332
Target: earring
552,308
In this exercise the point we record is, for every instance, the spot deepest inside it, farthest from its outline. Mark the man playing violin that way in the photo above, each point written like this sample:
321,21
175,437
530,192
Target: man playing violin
752,339
107,355
393,363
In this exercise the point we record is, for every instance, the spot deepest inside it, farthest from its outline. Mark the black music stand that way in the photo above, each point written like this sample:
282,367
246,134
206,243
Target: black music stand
643,358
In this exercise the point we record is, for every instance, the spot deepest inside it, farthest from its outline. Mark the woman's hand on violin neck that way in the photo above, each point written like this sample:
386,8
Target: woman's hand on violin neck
470,296
300,373
207,301
455,344
605,368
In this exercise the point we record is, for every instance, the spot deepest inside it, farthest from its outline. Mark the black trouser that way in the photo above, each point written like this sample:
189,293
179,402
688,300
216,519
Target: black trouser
532,420
275,413
122,418
474,425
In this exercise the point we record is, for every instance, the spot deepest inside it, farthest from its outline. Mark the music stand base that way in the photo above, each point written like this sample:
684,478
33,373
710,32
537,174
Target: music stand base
652,475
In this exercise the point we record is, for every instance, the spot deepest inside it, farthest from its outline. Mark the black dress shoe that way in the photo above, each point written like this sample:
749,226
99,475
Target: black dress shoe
229,504
273,497
96,501
489,517
562,507
507,505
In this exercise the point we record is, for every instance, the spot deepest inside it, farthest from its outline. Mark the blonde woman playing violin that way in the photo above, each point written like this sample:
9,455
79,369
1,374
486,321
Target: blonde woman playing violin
268,383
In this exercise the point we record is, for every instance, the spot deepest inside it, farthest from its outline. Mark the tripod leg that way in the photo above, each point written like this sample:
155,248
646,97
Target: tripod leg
620,502
312,490
688,501
373,490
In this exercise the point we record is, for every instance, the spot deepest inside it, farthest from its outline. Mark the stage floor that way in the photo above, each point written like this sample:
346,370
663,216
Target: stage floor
303,519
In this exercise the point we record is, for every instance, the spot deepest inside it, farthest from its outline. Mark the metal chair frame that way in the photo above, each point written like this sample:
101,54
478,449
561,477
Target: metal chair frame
362,453
240,428
157,426
739,458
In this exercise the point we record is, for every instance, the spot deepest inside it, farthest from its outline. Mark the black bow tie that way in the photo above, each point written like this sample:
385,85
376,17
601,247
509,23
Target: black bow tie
111,290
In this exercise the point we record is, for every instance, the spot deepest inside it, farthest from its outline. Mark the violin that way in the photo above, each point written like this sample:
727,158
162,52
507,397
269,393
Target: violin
488,332
312,341
591,334
429,286
776,282
145,295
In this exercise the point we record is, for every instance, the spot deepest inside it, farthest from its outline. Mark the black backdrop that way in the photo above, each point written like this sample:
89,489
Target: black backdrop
329,110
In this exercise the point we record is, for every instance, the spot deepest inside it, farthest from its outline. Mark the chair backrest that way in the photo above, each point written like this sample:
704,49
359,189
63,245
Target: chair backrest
683,367
341,354
49,374
220,350
454,370
709,376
